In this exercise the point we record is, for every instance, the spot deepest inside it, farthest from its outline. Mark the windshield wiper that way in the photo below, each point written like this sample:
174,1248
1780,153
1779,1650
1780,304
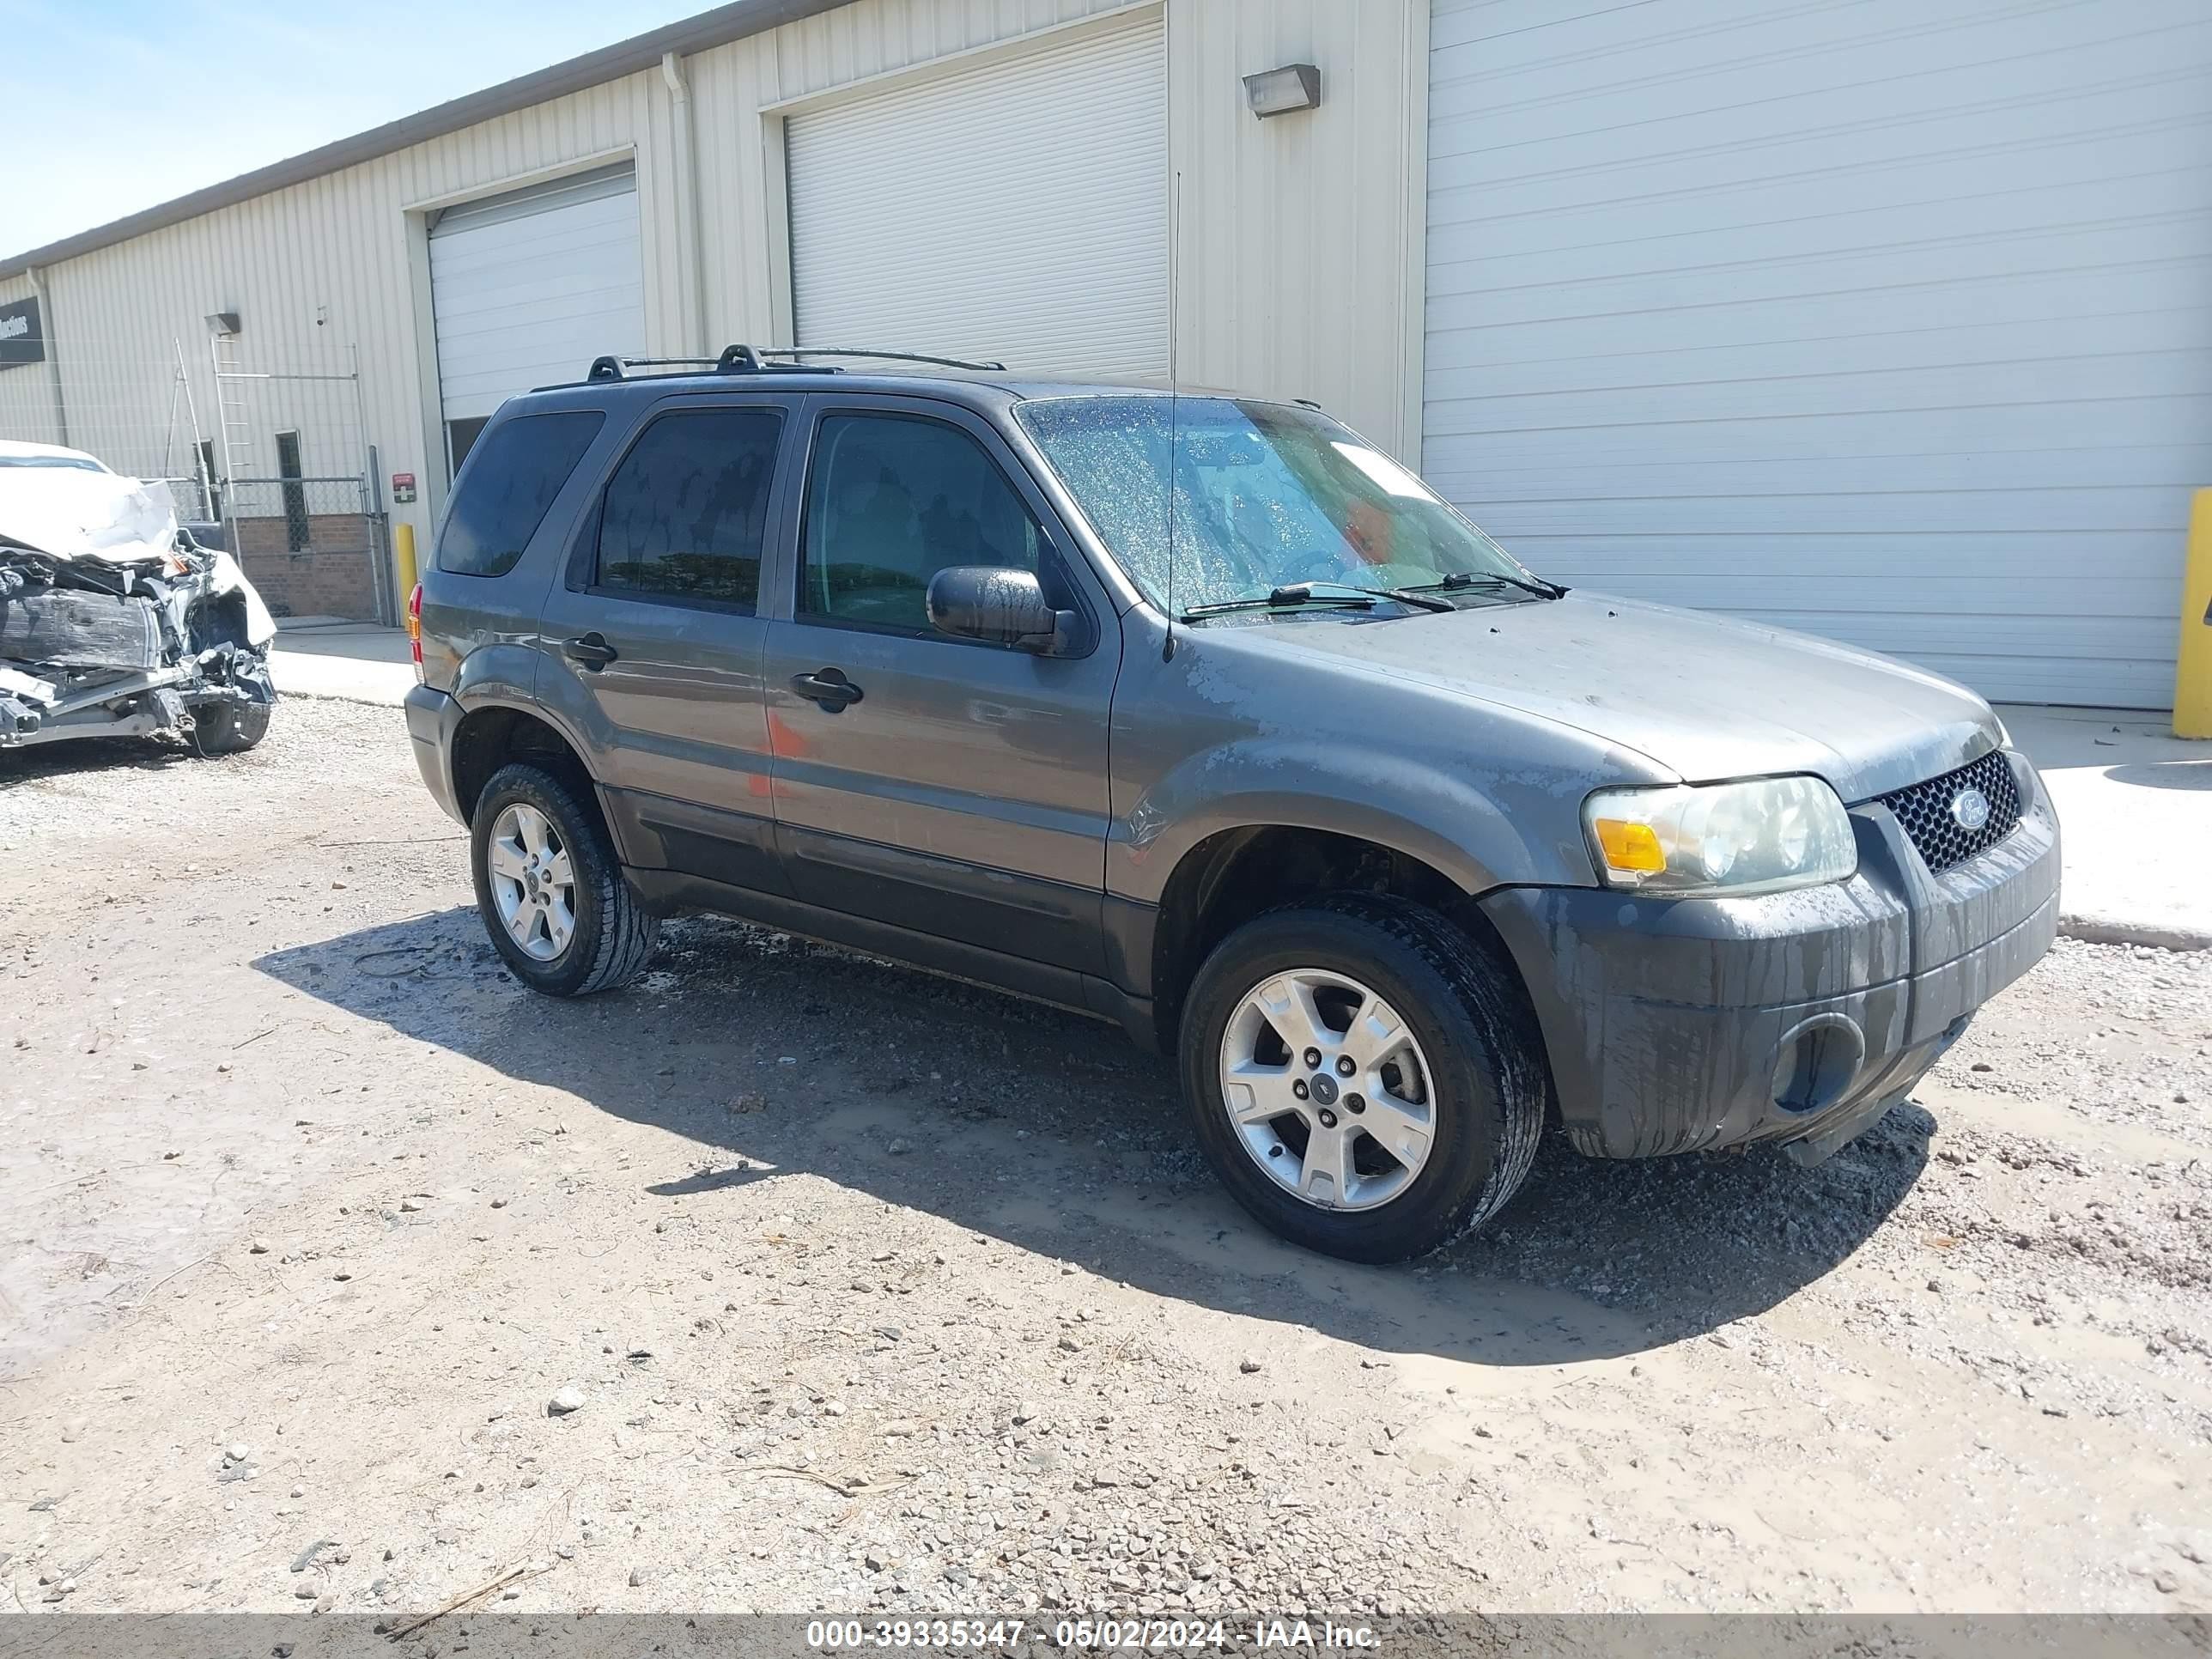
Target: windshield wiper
1414,597
1539,587
1289,598
1343,596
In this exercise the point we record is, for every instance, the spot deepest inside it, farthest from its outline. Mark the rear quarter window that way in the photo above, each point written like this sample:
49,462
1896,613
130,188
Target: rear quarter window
513,475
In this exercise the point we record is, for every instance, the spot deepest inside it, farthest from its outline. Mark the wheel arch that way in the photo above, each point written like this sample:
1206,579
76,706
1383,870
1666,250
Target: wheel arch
494,733
1246,870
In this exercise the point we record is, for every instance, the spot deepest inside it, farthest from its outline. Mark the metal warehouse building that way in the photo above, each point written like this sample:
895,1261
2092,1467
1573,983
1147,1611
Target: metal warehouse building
1887,318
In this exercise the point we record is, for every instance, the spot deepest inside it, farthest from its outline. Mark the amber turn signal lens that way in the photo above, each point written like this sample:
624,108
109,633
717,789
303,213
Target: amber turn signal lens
1630,847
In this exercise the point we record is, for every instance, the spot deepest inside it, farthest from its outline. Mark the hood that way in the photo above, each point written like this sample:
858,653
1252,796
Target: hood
73,512
1705,697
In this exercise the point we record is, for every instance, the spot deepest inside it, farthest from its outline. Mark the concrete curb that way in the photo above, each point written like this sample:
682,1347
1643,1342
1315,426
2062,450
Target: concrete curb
2105,930
365,699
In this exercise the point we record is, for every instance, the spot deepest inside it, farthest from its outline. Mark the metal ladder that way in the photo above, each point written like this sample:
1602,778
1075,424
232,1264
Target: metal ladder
232,425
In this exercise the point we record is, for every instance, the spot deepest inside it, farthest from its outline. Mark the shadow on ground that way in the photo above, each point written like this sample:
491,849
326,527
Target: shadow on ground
71,757
2164,775
1053,1133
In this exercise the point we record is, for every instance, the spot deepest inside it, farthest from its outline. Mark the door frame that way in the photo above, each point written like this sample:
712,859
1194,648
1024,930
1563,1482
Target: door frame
580,562
1092,594
751,835
965,883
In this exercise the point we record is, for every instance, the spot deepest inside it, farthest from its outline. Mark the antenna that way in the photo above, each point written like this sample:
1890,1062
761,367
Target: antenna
1175,396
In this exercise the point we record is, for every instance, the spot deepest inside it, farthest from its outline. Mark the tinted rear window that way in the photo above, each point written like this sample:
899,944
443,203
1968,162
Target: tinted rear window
686,511
513,475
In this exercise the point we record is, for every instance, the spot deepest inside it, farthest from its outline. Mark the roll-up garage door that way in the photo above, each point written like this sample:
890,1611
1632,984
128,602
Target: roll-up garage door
1890,320
528,287
1017,211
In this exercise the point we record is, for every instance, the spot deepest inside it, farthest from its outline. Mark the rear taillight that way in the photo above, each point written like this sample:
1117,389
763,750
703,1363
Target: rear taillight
414,627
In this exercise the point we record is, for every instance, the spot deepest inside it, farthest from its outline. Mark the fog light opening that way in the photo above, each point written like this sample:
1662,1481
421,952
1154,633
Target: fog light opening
1817,1063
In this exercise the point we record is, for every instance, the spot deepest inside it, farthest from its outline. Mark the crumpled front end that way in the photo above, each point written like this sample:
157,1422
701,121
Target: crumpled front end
115,623
1799,1017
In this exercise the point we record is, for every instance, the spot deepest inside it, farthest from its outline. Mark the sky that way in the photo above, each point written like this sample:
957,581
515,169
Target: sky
117,105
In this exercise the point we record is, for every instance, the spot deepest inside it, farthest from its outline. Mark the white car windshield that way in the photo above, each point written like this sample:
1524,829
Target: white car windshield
1267,497
79,463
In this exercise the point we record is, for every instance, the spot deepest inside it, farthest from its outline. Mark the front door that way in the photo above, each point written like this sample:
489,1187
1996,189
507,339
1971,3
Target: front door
655,637
952,786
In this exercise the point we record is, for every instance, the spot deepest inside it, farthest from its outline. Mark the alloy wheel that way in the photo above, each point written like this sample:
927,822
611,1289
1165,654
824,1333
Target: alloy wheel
532,885
1328,1090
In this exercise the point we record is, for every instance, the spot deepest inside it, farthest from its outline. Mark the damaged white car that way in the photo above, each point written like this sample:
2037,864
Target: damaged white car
114,622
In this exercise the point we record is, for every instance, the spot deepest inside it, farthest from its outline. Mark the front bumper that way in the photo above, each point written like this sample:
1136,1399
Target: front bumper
1685,1025
431,717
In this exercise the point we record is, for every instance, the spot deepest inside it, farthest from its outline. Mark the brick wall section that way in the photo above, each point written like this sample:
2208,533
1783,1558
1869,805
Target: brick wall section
333,578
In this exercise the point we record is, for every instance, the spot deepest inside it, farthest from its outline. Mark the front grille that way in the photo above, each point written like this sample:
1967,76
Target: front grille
1925,810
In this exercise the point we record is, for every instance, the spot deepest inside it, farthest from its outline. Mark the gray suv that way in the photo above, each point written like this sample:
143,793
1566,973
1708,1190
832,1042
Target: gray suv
1201,714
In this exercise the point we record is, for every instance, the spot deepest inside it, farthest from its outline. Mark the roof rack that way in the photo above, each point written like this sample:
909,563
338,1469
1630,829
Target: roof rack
752,360
734,360
798,352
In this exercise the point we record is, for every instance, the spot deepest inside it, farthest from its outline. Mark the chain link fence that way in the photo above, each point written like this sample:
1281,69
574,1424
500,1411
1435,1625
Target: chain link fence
301,509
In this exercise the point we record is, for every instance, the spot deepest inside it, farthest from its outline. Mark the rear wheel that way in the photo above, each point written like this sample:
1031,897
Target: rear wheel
550,890
1362,1076
230,728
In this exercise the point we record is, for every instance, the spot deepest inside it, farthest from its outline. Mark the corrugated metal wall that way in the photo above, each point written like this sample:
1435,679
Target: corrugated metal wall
1300,236
1295,232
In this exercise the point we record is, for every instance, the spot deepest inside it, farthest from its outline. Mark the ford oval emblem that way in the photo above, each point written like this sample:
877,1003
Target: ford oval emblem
1971,809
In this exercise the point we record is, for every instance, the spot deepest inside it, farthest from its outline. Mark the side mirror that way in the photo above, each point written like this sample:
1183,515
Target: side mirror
1008,607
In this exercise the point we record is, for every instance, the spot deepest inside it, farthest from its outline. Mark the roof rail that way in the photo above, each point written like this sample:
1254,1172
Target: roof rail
742,359
734,360
798,352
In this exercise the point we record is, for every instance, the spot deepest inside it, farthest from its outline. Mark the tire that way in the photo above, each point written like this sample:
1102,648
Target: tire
1485,1093
230,728
610,937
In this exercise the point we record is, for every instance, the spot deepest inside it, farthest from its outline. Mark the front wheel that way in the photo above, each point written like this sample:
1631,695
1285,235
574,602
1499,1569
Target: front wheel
550,888
1363,1076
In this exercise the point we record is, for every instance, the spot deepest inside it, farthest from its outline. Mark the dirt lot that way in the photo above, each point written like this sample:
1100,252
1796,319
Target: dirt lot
880,1291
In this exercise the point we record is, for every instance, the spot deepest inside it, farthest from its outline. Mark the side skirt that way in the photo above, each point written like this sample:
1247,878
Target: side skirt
669,890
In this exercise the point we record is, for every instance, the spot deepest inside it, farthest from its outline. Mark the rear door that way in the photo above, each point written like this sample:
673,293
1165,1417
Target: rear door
653,638
954,787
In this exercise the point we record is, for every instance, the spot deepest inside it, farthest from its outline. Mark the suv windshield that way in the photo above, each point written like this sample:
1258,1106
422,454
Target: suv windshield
1267,497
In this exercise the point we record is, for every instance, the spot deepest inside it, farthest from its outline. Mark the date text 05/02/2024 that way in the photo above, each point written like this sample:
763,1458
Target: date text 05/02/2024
1089,1635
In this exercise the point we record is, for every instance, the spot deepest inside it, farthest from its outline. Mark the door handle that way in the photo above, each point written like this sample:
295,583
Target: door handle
592,650
827,686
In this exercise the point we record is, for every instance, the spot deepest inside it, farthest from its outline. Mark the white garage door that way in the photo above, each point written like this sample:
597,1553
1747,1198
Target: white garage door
1891,320
1015,211
527,288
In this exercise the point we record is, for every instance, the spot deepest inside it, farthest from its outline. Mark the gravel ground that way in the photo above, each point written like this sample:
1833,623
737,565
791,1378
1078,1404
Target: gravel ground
342,1271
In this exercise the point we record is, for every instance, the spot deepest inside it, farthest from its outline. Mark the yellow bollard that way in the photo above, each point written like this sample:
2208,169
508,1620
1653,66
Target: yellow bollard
2192,674
403,557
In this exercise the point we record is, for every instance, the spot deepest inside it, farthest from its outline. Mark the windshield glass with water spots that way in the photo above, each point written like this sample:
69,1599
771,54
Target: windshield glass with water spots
1266,495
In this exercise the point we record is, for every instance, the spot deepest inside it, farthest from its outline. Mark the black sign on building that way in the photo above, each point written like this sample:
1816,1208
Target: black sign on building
21,338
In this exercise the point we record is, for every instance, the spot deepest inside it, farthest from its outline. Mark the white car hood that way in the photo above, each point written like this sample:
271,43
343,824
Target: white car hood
71,513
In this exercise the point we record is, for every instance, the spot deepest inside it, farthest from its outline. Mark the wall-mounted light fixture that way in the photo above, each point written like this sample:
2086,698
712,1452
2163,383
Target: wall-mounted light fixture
1280,91
222,323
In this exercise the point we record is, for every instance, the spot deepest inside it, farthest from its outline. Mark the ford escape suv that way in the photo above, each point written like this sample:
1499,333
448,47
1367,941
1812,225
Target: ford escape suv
1203,714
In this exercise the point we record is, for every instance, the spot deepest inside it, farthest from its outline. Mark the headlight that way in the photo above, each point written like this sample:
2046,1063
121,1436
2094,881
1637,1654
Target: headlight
1754,838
